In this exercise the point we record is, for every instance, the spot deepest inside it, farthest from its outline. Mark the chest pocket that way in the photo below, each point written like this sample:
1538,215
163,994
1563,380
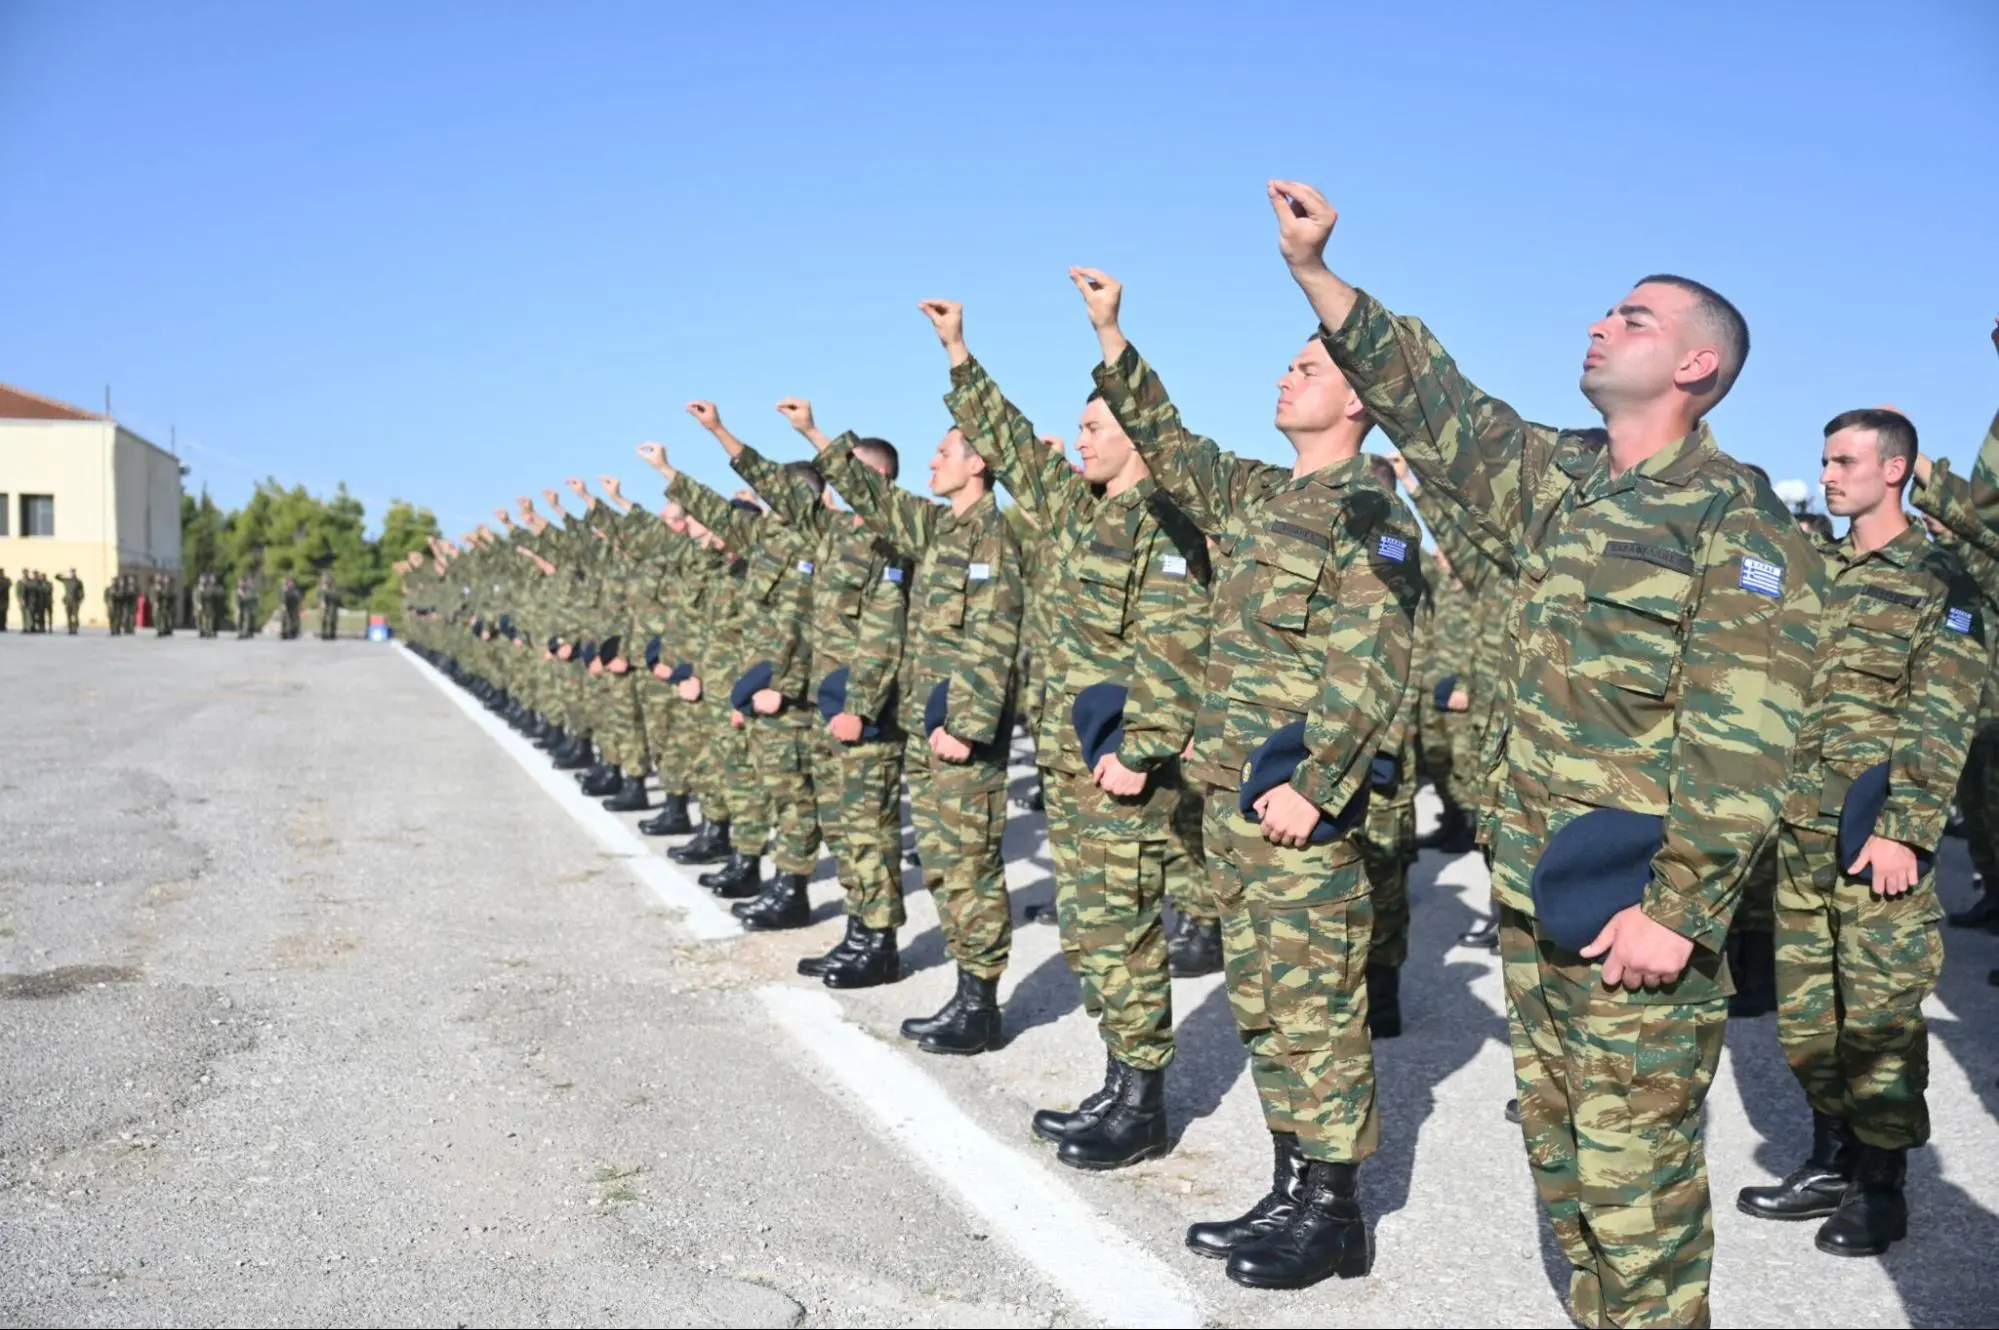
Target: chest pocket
1102,575
850,578
944,592
1634,602
1878,638
764,575
1287,573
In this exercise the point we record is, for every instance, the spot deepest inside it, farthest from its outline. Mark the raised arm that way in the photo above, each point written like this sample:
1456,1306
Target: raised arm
904,520
1968,506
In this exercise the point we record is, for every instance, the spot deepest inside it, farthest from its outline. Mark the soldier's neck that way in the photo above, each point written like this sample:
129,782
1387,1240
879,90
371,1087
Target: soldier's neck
1321,449
1873,529
967,499
1644,428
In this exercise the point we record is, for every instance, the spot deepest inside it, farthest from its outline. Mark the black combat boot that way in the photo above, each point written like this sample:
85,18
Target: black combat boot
1752,963
709,846
815,967
875,961
671,820
784,904
604,778
737,879
1131,1130
1874,1213
1052,1124
1220,1239
1326,1237
1034,801
1384,1001
1513,1111
917,1027
1196,951
975,1026
630,798
1485,936
574,755
1456,833
1812,1189
1982,913
553,736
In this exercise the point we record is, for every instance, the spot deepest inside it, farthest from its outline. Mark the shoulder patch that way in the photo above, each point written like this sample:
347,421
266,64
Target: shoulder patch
805,566
1761,576
1392,547
980,572
1173,565
1958,620
891,574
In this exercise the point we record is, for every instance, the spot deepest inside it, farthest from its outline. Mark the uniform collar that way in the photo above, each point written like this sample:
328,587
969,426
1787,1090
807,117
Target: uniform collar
979,512
1675,464
1337,475
1900,552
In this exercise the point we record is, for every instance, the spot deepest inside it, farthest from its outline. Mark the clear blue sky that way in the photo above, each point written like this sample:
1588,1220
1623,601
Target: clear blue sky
454,252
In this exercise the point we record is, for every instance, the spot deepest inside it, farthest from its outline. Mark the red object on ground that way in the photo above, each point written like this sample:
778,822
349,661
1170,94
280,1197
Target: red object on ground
144,618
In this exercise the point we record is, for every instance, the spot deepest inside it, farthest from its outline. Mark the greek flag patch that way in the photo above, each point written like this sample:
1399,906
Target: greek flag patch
1762,577
1173,565
1392,547
891,574
1958,621
805,566
981,572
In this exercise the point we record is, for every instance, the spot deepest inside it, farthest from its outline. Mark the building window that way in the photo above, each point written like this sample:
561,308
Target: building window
38,515
3,514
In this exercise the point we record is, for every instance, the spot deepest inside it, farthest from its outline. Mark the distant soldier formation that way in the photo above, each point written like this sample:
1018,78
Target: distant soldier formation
1706,749
209,601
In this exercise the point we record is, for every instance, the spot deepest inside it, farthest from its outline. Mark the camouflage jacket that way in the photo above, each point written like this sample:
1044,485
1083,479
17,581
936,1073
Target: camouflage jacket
72,590
1314,615
860,594
1662,629
1116,567
1901,658
966,601
1969,509
777,587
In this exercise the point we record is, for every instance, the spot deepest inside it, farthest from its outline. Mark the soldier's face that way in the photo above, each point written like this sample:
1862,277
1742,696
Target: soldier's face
1312,395
1853,474
1104,447
953,466
1641,349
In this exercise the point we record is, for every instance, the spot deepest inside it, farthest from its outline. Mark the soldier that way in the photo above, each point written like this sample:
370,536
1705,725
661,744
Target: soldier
1902,656
246,606
166,605
1308,658
958,692
1663,628
289,599
72,599
24,592
329,607
6,585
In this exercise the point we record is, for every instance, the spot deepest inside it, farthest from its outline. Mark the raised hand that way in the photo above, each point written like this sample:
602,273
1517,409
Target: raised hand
948,318
1101,295
576,484
610,484
654,455
1305,222
704,412
798,413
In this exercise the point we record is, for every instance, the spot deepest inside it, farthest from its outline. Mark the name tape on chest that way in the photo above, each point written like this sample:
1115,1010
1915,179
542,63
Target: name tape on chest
1392,547
980,572
1958,621
891,574
1173,565
1762,577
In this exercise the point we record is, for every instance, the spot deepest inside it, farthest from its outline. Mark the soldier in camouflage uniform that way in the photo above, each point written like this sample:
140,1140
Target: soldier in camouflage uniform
966,600
1901,659
1313,615
1118,562
72,599
166,604
246,604
1663,629
289,599
329,607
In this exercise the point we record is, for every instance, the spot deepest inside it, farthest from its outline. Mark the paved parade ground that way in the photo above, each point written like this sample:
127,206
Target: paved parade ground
323,1000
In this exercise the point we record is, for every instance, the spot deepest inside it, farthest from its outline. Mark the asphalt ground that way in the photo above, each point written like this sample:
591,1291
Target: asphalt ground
320,1002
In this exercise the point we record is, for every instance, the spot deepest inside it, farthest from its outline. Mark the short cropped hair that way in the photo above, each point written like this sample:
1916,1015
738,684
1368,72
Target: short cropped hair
808,473
882,451
1894,433
1722,320
1383,471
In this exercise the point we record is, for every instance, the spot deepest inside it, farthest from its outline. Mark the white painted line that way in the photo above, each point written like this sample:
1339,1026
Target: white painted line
1105,1272
702,916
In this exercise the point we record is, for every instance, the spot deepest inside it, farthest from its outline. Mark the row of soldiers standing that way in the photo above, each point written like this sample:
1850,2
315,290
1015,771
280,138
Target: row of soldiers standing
211,599
36,592
1650,683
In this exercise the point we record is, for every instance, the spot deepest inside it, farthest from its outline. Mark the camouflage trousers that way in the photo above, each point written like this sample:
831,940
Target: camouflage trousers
1853,969
1295,933
617,724
724,782
1111,860
672,732
780,754
1757,911
1611,1090
859,788
1387,848
959,810
1978,799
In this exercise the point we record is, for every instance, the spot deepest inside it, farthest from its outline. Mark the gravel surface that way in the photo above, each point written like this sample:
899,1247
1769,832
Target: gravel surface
317,1009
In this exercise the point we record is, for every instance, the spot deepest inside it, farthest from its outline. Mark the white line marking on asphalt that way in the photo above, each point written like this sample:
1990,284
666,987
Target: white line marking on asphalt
1105,1271
701,915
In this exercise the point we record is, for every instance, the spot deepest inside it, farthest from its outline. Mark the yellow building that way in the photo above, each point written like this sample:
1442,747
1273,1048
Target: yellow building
79,490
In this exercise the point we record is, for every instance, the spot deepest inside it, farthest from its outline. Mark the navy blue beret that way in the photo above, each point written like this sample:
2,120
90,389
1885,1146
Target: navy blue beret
1445,687
1271,765
1595,866
507,624
1384,772
833,701
755,679
588,653
1865,799
652,651
478,627
937,707
609,647
1098,716
681,673
554,641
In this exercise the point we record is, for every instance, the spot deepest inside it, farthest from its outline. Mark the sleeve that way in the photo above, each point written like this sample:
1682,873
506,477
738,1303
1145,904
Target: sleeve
878,643
907,522
1209,485
1473,448
789,497
1169,667
1745,680
1947,663
982,684
1469,560
1969,508
1367,666
1037,476
739,530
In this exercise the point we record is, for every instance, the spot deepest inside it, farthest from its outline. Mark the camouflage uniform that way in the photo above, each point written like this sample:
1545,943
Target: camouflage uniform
246,606
1388,835
966,601
1312,620
859,613
1662,626
329,609
166,605
289,599
72,600
1114,567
